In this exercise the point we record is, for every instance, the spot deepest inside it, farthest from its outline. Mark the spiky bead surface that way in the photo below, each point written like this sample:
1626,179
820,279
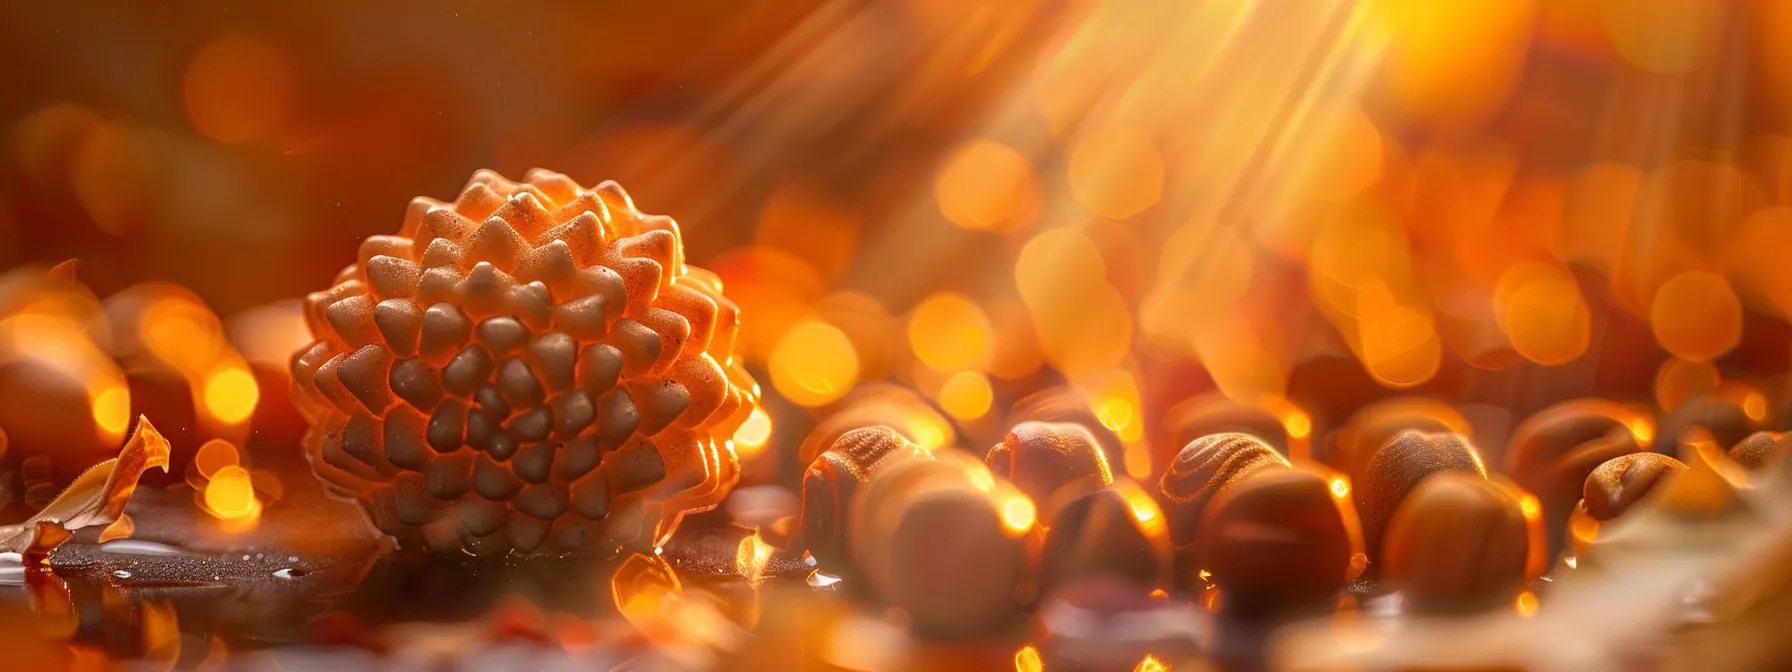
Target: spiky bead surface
530,368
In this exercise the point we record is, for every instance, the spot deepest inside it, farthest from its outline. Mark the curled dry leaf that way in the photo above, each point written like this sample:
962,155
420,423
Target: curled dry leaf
122,528
97,497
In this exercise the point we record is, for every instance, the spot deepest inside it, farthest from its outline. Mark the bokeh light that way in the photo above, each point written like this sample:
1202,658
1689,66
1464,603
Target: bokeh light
231,493
231,394
1696,316
237,88
966,395
1116,172
986,185
949,332
213,457
753,434
813,364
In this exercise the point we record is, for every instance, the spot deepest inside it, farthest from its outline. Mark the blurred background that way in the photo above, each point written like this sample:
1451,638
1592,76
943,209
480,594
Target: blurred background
1154,206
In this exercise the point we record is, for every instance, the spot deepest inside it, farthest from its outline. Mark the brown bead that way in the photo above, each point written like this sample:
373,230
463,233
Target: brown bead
892,406
1354,444
1553,451
1116,531
936,539
1215,413
1205,467
830,484
1728,412
1280,539
1042,457
1065,405
1625,480
1393,472
1460,543
1760,450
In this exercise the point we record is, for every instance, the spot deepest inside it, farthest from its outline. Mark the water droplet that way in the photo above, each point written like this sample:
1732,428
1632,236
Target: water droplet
139,547
245,556
290,573
821,580
122,573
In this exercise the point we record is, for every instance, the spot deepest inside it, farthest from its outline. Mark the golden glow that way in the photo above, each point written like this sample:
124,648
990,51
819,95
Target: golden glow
231,394
182,333
949,332
1297,424
112,409
1664,37
1151,664
1529,506
1526,604
214,456
1678,380
1144,512
981,479
1114,412
1642,429
1137,460
1115,403
1584,529
1754,405
1696,316
754,432
966,395
1452,64
987,185
751,557
1542,312
231,494
1115,172
1400,346
1027,660
1159,594
1018,513
1055,263
237,89
813,364
930,435
1340,487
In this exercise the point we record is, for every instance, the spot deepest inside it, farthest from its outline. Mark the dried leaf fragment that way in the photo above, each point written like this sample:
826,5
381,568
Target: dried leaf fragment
97,497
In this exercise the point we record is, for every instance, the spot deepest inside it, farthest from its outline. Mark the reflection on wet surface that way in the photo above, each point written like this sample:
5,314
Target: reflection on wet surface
324,594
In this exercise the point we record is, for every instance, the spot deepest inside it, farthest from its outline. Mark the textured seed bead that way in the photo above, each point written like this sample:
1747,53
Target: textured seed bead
1204,468
474,381
1623,481
1760,450
1461,543
1399,467
931,537
1279,540
1554,450
1043,457
833,481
